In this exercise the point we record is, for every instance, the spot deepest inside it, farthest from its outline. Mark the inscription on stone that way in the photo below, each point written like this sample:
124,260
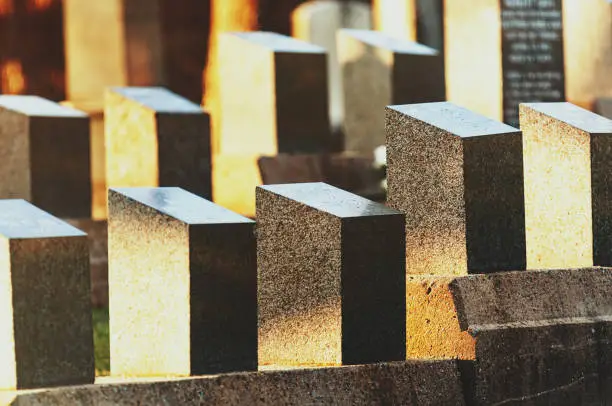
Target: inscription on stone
532,52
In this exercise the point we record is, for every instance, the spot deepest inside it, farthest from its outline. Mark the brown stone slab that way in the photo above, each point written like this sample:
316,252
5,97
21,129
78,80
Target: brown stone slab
45,309
156,138
330,277
278,101
413,383
44,150
541,336
458,177
568,212
379,70
182,283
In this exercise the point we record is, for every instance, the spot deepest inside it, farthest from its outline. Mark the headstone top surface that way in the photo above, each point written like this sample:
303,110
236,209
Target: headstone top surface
454,119
574,116
182,205
159,99
330,199
279,43
37,106
382,40
20,219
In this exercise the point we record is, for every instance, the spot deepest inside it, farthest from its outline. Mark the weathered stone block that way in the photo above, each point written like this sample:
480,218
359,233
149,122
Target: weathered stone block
156,138
44,150
46,337
330,277
458,177
412,383
568,193
278,103
379,70
182,282
517,337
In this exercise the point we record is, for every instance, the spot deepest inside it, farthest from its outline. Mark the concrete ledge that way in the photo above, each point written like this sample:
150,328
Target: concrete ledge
399,383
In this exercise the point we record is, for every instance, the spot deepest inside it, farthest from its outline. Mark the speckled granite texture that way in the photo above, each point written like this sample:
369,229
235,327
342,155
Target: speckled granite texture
413,383
568,186
458,177
280,103
330,277
379,70
45,310
530,336
156,138
182,282
45,155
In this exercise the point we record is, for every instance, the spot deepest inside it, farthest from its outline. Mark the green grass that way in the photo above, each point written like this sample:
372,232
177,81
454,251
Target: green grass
101,341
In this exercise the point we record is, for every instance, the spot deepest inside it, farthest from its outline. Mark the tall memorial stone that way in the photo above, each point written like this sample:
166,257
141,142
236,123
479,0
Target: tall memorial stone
156,138
568,214
46,337
331,277
45,155
182,278
397,18
317,22
500,53
379,70
458,177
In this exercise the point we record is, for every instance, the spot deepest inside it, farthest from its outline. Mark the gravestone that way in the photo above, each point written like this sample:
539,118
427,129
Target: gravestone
330,277
276,104
567,186
156,138
45,155
379,70
526,51
397,18
317,22
182,282
128,52
46,337
458,177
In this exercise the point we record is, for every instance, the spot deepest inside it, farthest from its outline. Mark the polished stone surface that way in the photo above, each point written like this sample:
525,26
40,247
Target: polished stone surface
45,305
458,177
45,155
279,43
379,70
182,283
156,138
332,263
567,186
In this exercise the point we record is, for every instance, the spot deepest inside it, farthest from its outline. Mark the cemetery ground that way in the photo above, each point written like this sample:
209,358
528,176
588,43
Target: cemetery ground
101,340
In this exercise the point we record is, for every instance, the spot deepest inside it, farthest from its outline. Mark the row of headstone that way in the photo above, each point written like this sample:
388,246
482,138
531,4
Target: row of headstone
322,281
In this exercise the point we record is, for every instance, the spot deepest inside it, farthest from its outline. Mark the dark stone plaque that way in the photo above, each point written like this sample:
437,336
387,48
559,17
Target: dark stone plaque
532,54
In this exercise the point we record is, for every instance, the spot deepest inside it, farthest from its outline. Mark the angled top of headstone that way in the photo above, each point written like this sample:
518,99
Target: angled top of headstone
159,99
279,43
454,119
329,199
21,219
182,205
573,115
37,106
382,40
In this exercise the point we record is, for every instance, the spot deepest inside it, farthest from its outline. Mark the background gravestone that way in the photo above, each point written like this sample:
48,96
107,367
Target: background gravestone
46,337
45,155
330,277
182,279
458,177
568,214
156,138
379,70
397,18
317,22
